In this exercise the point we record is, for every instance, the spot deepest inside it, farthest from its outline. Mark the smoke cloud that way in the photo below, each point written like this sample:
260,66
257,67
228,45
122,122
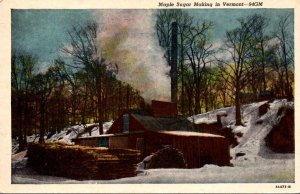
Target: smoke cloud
128,38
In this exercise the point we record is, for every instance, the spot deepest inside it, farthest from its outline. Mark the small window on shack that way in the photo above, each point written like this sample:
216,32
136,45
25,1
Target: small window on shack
103,142
125,123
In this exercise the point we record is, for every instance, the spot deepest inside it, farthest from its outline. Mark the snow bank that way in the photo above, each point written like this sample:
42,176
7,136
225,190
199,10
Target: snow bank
267,171
95,130
66,135
209,117
252,141
254,129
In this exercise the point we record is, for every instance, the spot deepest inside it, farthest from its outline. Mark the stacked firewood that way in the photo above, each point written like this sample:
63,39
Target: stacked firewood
82,162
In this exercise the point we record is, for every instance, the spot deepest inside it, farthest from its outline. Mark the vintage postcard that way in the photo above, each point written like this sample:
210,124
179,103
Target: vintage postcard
149,96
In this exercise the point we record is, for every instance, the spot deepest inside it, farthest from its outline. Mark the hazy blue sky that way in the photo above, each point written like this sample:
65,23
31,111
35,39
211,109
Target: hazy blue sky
226,19
42,33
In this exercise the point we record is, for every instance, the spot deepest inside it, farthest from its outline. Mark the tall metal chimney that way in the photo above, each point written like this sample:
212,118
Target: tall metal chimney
174,53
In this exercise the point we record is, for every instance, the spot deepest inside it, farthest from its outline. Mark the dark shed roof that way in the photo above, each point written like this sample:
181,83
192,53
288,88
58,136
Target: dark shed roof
178,123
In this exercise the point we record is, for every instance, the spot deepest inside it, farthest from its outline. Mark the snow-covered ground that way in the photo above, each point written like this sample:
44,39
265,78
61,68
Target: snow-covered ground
252,161
95,130
263,171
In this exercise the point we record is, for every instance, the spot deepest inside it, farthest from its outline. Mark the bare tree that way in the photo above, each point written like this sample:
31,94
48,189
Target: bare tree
22,68
236,69
285,51
43,86
73,77
184,22
165,19
199,52
83,48
262,43
57,103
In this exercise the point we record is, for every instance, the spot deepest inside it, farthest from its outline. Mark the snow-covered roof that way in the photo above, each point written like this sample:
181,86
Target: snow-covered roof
205,120
209,117
110,135
190,133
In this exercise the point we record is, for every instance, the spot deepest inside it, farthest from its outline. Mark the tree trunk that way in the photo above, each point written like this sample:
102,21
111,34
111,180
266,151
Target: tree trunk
42,121
287,87
197,100
21,140
206,101
20,125
100,112
73,120
119,98
190,104
281,84
238,117
254,87
189,98
26,120
224,97
127,97
263,66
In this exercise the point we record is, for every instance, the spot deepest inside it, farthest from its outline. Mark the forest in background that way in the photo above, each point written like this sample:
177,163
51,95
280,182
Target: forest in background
249,64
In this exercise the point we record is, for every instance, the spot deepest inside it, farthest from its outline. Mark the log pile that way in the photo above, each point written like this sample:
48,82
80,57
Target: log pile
82,162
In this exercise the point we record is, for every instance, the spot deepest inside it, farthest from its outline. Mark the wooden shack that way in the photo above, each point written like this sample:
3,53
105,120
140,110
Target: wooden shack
149,130
198,148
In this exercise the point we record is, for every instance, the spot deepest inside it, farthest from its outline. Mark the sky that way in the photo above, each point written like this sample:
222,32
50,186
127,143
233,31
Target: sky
42,33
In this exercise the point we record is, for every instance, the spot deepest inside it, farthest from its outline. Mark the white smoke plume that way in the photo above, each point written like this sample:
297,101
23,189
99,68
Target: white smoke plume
128,38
